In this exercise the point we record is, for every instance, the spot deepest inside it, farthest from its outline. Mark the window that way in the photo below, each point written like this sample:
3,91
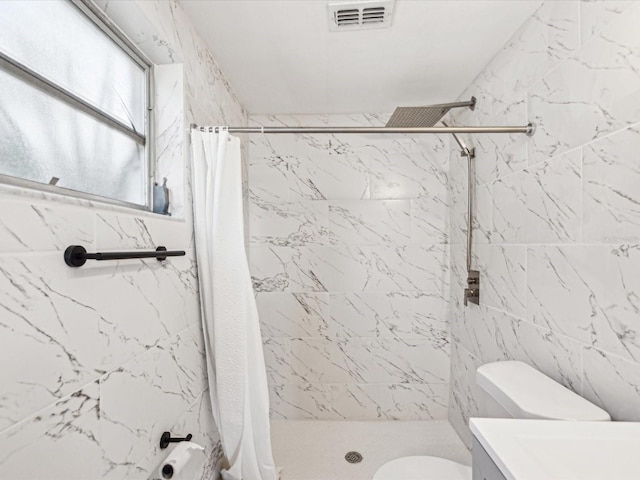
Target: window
74,102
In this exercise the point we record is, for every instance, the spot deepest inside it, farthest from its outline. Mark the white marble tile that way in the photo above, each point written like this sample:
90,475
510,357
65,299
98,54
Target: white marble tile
38,227
466,329
550,35
410,268
541,203
482,214
418,268
480,88
333,269
289,224
484,166
384,360
318,175
336,269
278,358
268,179
388,314
61,441
613,384
458,199
457,417
293,314
587,293
611,208
319,360
401,175
50,343
317,269
268,268
510,150
503,277
458,280
363,314
167,302
500,155
265,149
430,219
369,222
269,168
465,398
597,14
431,313
120,232
399,401
431,146
569,113
559,297
371,314
401,360
301,401
356,269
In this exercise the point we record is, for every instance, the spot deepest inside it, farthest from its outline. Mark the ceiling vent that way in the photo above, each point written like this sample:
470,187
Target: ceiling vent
359,15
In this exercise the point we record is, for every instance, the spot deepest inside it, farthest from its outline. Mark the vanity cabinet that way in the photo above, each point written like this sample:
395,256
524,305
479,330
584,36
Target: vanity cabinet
483,467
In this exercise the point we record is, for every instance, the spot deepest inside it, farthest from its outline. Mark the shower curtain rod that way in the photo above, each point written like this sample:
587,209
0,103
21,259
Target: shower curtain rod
527,129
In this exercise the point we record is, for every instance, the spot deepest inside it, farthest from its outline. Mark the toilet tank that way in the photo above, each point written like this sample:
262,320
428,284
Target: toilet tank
523,392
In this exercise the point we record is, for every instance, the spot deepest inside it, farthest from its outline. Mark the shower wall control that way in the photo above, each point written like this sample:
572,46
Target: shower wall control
472,292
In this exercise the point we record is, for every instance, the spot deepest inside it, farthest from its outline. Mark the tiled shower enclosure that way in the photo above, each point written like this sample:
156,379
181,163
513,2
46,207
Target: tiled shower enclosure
349,257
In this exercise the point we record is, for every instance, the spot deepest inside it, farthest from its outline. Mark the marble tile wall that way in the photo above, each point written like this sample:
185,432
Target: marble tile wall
557,220
350,263
97,362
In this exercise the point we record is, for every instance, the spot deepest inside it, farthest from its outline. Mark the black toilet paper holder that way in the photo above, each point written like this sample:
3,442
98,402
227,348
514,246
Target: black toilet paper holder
166,439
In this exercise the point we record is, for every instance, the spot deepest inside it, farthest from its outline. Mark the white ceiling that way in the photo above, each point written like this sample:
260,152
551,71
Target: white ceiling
280,56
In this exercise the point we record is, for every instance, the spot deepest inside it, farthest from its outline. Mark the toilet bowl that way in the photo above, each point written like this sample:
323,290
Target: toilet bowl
513,390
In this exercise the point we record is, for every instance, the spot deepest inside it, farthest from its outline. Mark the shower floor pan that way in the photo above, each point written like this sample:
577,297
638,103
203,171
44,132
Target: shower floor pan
316,449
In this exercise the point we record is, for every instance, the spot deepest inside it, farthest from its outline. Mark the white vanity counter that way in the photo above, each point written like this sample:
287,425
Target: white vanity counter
560,450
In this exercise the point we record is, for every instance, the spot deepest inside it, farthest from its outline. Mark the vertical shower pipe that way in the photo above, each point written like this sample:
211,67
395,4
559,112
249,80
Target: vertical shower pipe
472,292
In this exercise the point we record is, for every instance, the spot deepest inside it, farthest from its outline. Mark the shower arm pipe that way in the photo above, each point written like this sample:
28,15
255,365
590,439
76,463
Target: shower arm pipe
469,154
526,129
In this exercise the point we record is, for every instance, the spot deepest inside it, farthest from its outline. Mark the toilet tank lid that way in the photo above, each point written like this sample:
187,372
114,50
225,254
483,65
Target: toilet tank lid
527,393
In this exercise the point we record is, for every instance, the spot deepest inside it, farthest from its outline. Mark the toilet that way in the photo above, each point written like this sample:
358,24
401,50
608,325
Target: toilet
510,390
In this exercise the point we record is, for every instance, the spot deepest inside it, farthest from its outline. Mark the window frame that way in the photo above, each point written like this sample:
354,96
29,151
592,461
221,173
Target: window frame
95,15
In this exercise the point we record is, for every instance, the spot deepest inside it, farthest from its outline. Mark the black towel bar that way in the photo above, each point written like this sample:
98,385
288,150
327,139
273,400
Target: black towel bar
76,255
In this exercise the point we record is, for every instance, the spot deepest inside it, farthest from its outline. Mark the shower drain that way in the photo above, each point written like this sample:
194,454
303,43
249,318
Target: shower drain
353,457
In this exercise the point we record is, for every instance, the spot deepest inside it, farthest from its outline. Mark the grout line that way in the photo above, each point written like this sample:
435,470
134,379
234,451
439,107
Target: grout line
582,185
31,416
582,371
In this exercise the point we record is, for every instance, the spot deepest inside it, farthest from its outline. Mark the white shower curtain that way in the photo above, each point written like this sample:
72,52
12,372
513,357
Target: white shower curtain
235,360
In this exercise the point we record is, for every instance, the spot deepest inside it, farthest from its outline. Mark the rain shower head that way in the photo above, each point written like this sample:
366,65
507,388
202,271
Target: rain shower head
408,117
